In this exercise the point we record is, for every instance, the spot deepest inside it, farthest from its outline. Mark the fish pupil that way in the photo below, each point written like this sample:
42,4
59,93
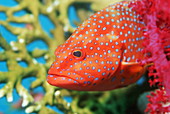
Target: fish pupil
77,53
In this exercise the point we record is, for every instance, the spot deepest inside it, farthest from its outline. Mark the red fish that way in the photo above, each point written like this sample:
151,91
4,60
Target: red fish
102,54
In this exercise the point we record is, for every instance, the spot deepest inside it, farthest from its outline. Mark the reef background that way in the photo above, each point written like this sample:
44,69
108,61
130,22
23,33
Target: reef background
29,35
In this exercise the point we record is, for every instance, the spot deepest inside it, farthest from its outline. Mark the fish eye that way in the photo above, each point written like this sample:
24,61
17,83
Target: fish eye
77,53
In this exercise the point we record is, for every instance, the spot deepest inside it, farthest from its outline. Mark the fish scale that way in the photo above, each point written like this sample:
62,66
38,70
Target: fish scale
102,53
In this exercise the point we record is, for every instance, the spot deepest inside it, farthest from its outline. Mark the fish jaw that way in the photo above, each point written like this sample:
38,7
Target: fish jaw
62,81
72,82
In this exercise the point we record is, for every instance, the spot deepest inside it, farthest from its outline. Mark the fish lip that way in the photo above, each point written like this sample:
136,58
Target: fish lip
57,75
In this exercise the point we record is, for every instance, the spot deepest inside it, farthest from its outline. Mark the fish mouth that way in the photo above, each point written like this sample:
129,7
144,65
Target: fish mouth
61,80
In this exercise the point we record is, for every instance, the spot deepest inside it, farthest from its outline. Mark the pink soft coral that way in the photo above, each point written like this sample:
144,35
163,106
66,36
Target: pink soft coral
156,15
158,102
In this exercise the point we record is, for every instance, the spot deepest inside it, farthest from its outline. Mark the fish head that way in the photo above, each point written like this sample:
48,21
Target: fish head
83,61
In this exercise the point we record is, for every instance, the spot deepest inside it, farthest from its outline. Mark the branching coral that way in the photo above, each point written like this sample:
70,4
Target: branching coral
16,51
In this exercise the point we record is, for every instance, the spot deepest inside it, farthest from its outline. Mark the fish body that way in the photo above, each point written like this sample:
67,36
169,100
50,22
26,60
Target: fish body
101,54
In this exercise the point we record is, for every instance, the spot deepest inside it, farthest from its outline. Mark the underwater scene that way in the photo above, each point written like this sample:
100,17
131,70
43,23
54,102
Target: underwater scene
84,57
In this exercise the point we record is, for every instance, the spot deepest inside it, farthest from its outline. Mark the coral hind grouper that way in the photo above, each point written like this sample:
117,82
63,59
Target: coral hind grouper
102,54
